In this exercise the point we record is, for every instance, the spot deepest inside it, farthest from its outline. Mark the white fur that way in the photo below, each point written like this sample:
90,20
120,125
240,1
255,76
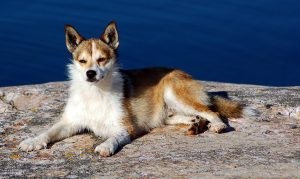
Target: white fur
96,53
174,104
98,107
179,119
95,106
250,111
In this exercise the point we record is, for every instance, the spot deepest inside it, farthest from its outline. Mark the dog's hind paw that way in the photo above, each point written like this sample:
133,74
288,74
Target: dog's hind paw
198,126
31,144
217,127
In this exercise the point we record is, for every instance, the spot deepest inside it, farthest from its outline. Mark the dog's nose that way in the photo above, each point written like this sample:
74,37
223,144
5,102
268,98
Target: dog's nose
91,74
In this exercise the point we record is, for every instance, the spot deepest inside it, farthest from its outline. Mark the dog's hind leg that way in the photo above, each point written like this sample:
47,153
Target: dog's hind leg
193,108
57,132
196,123
180,119
186,96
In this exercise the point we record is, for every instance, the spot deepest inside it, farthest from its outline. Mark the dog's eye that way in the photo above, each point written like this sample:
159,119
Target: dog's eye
82,61
101,60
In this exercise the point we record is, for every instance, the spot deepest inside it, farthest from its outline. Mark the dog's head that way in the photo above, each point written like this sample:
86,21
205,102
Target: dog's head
96,56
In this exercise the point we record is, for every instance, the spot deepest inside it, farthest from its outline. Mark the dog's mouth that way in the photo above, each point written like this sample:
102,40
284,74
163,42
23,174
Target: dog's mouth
92,80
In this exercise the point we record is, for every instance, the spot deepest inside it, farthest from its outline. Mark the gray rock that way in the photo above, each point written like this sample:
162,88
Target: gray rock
266,146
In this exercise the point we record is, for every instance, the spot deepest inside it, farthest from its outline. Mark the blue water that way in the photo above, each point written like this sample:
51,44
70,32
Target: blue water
238,41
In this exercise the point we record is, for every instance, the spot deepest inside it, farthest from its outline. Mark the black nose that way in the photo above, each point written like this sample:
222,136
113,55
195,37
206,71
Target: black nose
91,74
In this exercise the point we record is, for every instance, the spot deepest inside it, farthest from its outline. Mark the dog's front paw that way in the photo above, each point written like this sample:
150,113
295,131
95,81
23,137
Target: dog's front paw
104,150
31,144
217,127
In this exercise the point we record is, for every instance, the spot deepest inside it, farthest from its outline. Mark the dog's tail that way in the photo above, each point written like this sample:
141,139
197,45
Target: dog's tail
230,109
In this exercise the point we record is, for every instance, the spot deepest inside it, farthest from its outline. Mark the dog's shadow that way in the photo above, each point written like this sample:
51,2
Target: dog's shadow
223,94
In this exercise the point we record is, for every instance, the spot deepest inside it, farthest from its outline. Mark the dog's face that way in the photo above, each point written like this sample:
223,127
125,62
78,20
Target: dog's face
93,57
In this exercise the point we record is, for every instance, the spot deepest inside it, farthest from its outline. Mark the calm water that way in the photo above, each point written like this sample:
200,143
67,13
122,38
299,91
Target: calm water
239,41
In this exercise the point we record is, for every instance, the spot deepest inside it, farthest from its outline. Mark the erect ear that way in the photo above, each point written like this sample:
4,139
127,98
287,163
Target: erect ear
73,38
110,35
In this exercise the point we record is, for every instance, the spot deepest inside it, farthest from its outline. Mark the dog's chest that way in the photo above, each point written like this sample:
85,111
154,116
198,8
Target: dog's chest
96,110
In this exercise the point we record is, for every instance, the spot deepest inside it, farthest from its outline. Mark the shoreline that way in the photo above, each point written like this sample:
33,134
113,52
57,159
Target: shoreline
202,81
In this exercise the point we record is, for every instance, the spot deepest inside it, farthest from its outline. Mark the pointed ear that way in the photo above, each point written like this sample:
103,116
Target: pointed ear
73,38
110,35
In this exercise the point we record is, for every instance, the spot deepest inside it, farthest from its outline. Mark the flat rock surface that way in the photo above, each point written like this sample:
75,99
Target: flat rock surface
267,146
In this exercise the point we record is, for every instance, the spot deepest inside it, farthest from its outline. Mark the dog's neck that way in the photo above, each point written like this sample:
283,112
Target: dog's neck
111,83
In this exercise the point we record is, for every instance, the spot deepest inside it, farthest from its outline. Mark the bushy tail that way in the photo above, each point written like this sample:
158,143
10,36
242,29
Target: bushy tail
230,109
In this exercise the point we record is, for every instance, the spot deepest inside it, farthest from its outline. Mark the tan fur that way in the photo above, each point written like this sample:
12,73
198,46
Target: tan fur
143,98
84,52
227,108
146,107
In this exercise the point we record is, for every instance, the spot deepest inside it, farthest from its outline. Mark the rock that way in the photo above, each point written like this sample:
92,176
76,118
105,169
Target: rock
297,113
267,146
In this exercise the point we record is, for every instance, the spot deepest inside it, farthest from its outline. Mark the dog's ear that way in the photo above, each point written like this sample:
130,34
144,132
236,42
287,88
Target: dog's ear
73,38
110,35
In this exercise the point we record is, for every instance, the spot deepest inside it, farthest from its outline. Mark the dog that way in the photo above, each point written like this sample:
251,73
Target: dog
121,105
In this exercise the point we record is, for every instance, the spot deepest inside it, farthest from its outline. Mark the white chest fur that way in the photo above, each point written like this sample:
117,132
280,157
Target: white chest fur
96,107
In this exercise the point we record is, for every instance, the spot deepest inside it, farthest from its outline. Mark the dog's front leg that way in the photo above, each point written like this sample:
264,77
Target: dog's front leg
58,131
110,146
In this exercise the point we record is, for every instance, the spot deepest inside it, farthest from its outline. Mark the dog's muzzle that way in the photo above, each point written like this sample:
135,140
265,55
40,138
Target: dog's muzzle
91,75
